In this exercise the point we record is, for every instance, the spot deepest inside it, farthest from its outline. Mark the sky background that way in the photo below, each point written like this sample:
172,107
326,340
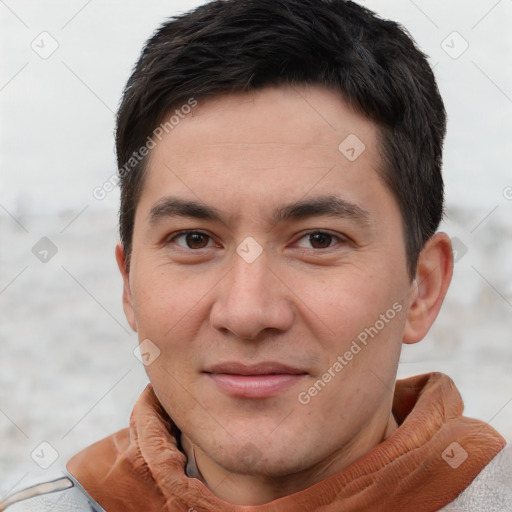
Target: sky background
56,138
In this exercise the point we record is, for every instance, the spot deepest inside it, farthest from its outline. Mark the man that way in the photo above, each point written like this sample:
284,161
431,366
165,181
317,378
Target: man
281,191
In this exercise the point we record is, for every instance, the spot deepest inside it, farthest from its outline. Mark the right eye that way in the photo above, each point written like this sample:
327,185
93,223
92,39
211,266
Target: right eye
194,240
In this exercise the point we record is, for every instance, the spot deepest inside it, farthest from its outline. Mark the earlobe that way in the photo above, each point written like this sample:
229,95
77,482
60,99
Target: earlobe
433,276
127,293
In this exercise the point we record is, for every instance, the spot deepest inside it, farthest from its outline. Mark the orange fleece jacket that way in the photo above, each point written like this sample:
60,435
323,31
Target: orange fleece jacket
142,469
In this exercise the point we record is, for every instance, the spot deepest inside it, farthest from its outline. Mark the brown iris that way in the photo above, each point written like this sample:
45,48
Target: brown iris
196,240
320,240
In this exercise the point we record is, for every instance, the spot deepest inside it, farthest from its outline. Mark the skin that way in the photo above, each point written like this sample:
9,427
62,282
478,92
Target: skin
302,302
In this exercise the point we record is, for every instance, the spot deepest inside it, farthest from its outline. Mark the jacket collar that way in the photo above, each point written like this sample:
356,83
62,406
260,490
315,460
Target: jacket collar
432,457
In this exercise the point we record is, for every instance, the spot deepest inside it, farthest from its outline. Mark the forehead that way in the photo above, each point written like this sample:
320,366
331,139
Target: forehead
307,119
254,148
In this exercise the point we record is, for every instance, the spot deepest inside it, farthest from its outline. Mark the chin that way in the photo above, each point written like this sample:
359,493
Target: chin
262,459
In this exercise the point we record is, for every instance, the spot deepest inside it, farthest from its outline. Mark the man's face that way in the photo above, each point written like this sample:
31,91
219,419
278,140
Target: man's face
264,254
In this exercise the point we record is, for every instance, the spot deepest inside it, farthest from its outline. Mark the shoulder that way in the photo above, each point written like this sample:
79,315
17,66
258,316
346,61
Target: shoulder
60,494
491,490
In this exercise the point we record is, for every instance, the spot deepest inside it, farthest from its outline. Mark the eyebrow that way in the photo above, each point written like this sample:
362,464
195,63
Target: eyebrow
332,206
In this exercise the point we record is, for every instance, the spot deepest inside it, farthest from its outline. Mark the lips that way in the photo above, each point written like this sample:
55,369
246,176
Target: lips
262,380
264,368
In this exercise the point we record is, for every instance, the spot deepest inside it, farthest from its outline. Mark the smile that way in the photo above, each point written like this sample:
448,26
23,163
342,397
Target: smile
263,380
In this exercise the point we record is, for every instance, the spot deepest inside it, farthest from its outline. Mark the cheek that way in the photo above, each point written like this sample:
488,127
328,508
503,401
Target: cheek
347,301
167,301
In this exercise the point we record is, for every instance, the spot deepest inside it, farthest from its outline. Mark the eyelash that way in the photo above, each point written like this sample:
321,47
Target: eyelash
336,237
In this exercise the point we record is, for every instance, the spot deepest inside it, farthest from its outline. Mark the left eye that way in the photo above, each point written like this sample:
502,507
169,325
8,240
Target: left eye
318,240
192,240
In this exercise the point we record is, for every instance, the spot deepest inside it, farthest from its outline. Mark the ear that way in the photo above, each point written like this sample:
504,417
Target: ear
433,276
127,292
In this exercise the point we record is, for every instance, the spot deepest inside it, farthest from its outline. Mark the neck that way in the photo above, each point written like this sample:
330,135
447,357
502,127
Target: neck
241,489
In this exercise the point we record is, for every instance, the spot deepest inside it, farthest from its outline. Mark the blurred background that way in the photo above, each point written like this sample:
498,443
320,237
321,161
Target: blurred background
68,374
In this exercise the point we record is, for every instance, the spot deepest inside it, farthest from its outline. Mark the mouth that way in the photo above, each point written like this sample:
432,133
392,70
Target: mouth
262,380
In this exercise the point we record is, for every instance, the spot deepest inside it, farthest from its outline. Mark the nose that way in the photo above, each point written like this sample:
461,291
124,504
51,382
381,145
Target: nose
252,299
